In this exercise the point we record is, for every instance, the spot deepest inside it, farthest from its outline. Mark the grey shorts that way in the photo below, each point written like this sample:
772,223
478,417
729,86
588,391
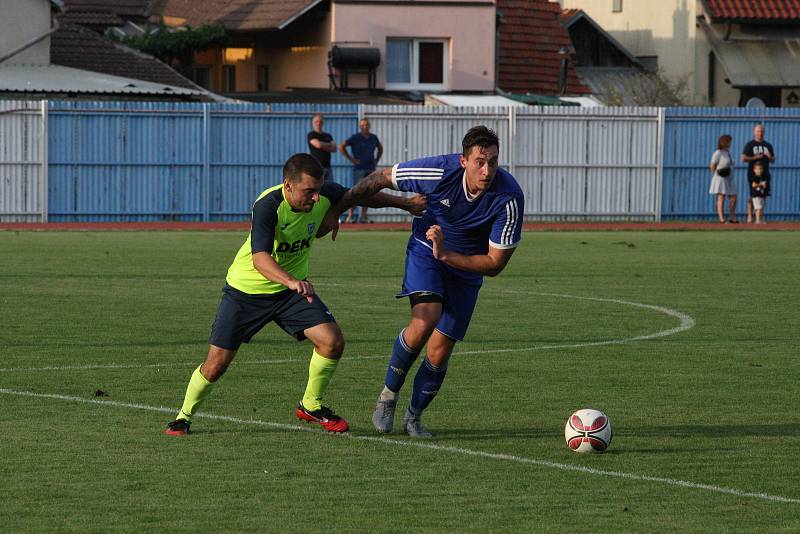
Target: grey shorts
241,315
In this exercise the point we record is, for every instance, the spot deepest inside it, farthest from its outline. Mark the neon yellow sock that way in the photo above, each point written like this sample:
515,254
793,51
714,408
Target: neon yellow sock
320,372
196,392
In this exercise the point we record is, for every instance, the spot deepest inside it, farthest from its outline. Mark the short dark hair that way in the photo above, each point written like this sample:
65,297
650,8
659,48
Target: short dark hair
758,164
723,140
479,136
300,164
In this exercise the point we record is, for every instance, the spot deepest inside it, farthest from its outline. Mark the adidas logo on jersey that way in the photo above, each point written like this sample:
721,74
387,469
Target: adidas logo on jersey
445,201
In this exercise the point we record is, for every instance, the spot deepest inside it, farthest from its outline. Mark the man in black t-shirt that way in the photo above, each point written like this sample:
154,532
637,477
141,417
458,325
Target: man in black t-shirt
757,150
321,145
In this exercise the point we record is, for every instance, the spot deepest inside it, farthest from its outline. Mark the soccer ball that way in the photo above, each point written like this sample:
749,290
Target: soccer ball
588,430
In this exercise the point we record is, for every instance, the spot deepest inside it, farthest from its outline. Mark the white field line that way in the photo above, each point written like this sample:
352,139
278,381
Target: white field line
686,322
427,446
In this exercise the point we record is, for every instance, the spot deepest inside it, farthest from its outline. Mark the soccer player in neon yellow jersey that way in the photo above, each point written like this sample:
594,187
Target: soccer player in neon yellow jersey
267,281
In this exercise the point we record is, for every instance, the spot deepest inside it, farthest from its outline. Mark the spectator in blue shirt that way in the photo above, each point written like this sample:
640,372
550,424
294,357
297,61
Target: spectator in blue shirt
364,159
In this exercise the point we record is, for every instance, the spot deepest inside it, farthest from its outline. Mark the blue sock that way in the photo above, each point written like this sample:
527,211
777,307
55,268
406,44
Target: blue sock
427,383
401,361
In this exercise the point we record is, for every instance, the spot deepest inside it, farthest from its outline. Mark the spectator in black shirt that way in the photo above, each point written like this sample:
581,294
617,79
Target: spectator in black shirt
321,145
762,152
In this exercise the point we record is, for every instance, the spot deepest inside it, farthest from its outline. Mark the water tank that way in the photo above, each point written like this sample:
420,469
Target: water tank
355,57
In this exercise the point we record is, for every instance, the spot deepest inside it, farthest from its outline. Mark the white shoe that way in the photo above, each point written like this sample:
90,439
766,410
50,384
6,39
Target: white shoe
383,415
412,424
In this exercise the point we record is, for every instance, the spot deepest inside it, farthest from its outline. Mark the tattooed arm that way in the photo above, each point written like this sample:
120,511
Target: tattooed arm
367,193
365,189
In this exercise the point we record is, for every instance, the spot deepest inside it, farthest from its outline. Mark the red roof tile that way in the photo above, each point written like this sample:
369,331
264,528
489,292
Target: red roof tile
567,15
242,15
126,8
91,18
77,47
757,10
530,38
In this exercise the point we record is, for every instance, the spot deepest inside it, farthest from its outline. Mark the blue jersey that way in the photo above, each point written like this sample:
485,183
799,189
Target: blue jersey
470,224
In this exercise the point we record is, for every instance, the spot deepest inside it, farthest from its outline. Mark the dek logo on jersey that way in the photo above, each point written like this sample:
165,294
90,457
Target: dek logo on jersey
295,246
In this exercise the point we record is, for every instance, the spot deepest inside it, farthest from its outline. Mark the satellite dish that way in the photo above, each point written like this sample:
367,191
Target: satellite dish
755,103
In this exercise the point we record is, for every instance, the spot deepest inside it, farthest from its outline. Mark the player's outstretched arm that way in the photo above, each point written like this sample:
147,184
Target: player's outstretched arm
269,269
490,264
367,193
361,192
415,205
366,188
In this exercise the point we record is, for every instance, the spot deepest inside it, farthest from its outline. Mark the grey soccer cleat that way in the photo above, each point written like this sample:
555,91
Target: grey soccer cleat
383,416
412,424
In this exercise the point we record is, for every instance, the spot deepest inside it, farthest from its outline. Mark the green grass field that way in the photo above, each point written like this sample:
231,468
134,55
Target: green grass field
705,413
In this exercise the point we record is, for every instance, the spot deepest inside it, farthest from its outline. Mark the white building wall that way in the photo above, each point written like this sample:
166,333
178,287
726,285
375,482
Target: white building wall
664,28
469,30
20,22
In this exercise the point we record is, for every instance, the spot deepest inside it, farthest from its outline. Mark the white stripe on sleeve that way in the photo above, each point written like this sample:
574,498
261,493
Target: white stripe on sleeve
414,173
504,233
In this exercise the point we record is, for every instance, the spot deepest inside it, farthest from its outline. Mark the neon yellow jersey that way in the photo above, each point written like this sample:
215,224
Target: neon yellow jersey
287,235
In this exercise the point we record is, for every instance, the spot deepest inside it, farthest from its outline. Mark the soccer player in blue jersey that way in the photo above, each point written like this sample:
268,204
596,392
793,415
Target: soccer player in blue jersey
472,226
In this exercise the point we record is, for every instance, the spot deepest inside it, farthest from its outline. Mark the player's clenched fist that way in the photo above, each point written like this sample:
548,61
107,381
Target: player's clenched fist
303,287
435,235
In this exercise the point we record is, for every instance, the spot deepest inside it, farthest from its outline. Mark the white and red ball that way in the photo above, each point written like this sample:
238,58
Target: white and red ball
588,430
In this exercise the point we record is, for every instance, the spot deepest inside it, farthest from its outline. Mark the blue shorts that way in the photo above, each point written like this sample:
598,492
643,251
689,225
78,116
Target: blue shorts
424,274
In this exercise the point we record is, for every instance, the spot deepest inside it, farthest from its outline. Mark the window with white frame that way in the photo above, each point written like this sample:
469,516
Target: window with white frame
416,64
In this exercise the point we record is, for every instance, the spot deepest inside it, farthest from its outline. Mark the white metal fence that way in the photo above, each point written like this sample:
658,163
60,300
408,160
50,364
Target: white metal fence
572,163
23,161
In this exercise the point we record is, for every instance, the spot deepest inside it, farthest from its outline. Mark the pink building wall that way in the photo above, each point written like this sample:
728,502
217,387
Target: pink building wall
469,28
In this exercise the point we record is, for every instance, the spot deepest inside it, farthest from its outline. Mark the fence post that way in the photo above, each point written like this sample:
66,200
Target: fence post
587,158
43,156
659,164
512,139
206,162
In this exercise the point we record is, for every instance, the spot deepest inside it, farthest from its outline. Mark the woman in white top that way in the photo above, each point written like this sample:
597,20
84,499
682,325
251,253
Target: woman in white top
722,183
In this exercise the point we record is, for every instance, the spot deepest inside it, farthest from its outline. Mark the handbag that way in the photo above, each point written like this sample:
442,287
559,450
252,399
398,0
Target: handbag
724,171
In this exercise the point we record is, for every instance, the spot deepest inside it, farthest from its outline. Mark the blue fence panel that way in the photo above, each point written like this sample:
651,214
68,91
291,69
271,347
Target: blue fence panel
249,145
690,138
125,161
156,161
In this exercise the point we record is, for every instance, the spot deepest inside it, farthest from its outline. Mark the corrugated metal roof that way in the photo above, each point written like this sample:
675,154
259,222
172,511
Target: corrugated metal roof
58,79
626,86
475,100
751,63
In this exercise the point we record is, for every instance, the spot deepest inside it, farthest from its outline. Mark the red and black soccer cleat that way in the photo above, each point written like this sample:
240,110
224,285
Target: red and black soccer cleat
324,416
178,427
